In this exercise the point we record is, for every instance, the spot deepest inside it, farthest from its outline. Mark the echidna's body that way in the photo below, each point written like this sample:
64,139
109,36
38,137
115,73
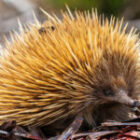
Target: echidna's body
82,66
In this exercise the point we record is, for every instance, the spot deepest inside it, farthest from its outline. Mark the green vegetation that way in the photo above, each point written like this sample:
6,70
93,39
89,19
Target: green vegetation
106,6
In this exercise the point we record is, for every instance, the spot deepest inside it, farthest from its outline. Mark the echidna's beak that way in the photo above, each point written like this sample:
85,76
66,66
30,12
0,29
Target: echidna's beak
125,99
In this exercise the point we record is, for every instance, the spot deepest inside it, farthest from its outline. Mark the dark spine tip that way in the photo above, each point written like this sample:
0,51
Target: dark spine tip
53,28
42,30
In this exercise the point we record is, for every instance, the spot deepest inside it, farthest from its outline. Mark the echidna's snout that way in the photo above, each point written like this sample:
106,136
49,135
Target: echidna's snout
122,97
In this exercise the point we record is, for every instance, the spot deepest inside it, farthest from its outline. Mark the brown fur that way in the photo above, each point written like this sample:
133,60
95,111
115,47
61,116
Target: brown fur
48,75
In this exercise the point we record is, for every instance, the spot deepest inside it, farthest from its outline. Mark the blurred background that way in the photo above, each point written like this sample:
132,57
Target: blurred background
11,10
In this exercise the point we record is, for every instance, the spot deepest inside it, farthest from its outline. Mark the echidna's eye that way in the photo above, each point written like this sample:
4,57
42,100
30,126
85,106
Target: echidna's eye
108,92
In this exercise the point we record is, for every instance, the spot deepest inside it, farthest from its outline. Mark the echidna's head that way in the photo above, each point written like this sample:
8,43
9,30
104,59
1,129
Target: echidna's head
115,86
115,89
116,79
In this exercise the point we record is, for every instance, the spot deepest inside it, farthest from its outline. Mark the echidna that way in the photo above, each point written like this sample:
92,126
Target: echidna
83,63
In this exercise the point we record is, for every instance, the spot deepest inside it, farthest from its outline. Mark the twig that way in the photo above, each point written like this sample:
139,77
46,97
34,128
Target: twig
72,129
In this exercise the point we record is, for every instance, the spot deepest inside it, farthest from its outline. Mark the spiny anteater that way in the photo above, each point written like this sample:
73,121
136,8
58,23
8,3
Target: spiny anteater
83,63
